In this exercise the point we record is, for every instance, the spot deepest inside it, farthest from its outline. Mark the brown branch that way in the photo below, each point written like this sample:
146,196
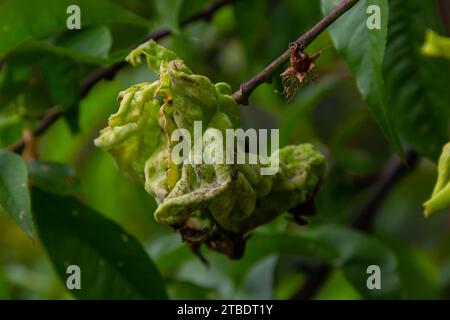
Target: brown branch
390,175
241,96
108,73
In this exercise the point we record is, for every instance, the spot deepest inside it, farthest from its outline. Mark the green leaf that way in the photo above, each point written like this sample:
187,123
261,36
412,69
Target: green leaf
180,289
113,264
191,7
415,269
10,129
42,78
95,41
337,287
62,76
249,15
169,13
36,81
363,50
263,244
13,78
90,45
14,195
342,248
22,20
53,177
172,259
357,251
417,85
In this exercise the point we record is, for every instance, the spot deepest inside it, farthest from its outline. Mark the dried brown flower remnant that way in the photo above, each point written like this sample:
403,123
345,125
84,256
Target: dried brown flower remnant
302,70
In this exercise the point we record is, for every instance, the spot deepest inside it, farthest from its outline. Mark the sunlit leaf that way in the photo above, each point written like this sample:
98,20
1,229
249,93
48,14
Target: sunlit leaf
417,85
22,20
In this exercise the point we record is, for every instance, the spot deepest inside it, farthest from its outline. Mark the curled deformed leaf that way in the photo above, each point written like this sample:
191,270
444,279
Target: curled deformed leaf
215,203
153,53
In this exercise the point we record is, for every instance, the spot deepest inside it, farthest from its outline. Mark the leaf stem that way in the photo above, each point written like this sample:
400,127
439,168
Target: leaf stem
241,96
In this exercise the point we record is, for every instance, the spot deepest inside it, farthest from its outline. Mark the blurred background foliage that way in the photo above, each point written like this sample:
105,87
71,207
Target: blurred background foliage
43,65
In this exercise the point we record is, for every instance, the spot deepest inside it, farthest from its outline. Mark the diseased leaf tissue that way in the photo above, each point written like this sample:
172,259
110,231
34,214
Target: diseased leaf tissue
215,204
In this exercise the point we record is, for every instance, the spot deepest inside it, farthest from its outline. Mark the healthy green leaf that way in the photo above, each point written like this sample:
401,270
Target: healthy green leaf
337,287
53,177
10,129
22,20
174,258
363,49
417,280
62,76
357,251
169,13
191,7
14,195
95,41
263,244
180,289
91,45
249,16
417,86
13,78
113,264
343,248
42,79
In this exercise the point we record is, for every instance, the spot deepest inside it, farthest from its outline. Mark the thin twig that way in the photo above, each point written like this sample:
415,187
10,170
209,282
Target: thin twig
390,175
241,96
108,73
